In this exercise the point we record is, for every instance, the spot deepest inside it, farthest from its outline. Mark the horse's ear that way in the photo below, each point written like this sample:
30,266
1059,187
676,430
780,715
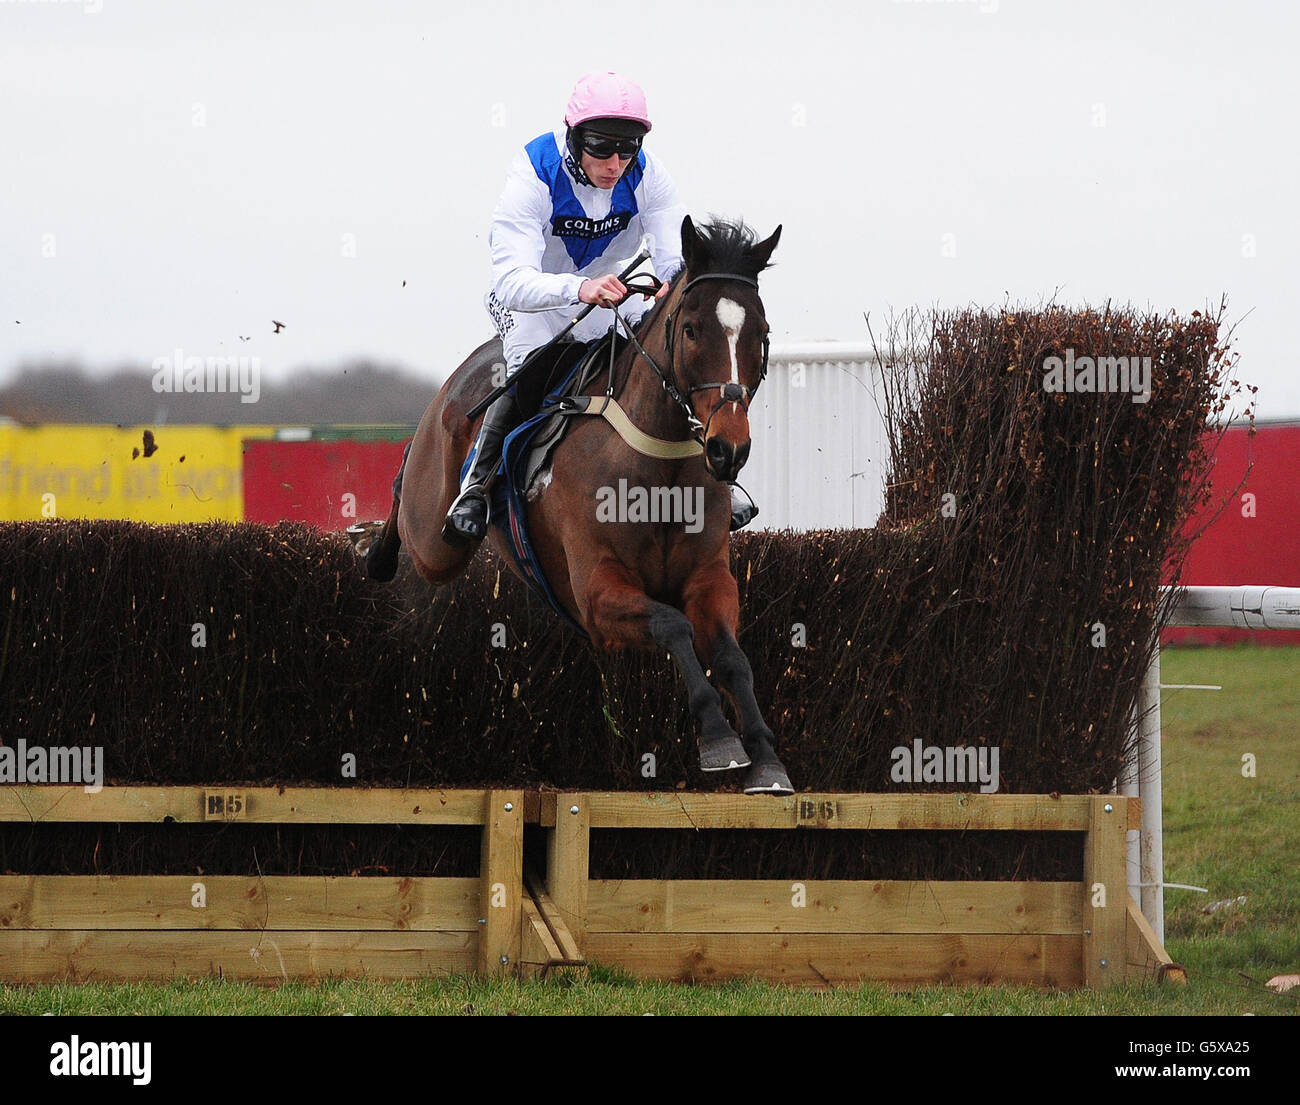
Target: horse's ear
762,253
690,244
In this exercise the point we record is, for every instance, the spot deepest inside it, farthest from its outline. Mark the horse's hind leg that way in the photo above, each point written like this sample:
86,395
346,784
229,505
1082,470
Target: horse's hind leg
621,613
381,557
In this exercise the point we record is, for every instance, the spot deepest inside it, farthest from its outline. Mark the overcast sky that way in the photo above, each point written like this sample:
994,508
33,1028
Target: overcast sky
178,174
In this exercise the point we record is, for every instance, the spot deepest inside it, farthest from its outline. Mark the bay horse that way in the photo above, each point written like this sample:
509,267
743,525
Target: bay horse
700,355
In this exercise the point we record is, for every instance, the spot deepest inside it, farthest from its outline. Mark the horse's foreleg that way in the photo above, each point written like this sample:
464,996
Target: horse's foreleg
621,613
713,607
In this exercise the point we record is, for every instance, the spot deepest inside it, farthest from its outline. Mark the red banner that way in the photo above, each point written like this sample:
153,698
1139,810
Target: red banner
331,484
1256,539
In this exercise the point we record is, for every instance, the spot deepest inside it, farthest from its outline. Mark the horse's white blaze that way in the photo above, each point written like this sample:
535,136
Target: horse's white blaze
732,316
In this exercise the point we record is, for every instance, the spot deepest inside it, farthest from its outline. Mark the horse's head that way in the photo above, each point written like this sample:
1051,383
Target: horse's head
717,335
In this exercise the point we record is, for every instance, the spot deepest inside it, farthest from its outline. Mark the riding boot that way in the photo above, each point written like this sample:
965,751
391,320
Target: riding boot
743,510
468,518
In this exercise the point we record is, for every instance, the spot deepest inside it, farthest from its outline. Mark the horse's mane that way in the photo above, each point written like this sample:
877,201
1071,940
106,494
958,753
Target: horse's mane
727,245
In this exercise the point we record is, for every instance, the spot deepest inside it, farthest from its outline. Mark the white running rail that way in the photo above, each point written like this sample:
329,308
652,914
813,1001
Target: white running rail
1243,607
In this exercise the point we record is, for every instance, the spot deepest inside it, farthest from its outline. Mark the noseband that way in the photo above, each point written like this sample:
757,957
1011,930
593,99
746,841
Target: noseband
728,392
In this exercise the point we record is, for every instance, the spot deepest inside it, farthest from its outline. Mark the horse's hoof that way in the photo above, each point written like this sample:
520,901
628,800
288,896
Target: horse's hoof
768,778
380,568
722,753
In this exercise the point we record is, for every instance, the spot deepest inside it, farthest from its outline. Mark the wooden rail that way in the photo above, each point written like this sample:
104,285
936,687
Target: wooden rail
816,932
111,928
1062,934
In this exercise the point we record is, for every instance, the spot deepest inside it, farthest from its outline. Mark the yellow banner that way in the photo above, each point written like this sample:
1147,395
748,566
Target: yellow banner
192,473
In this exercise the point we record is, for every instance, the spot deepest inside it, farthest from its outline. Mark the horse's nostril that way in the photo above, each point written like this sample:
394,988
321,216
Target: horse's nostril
719,452
742,455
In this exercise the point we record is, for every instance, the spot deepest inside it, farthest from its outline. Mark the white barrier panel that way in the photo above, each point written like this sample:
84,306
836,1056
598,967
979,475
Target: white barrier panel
819,446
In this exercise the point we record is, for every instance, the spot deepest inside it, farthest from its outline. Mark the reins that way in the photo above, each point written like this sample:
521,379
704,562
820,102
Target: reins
728,392
608,406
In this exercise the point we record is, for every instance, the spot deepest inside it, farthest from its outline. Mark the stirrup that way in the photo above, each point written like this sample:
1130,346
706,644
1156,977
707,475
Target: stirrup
454,535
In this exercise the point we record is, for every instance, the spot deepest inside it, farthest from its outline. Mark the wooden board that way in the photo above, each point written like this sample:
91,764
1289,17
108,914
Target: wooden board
501,879
267,957
567,864
1105,934
822,958
255,805
681,810
537,949
762,905
552,918
275,903
1147,959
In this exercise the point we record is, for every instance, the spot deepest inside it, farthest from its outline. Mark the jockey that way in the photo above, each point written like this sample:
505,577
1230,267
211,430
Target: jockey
576,205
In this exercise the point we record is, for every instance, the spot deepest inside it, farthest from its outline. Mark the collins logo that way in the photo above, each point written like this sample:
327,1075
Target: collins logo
570,226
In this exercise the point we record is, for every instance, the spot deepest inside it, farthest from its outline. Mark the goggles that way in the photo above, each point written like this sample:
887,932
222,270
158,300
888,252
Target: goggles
602,147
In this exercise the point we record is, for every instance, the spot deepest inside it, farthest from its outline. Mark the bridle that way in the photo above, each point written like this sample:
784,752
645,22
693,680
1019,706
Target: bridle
728,392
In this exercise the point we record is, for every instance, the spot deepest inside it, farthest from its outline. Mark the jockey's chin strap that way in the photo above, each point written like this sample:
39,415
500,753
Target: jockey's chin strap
728,392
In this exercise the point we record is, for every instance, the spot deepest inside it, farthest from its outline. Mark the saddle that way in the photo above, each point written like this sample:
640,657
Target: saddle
527,450
573,371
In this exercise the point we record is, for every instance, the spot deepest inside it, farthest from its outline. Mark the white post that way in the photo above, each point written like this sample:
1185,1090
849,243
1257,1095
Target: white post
1148,770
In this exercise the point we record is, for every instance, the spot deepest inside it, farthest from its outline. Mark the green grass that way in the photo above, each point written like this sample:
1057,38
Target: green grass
608,993
1233,835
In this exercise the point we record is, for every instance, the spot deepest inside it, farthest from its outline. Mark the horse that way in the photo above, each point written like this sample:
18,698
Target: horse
689,372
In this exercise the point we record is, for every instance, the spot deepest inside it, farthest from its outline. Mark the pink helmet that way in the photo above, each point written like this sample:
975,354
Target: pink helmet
606,96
